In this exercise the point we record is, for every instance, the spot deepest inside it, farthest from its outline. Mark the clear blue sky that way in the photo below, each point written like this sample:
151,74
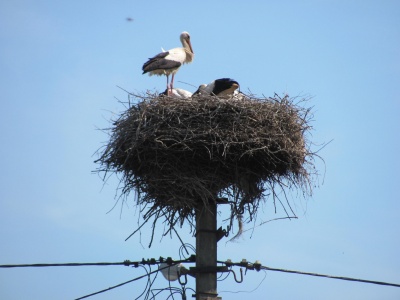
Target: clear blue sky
60,63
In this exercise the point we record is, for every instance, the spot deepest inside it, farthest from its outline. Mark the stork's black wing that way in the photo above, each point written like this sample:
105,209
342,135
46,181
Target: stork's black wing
159,62
223,84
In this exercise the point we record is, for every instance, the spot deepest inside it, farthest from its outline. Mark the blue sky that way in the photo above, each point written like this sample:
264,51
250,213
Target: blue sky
60,65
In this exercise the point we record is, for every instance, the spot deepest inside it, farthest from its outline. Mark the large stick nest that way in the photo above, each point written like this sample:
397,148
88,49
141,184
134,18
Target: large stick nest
179,153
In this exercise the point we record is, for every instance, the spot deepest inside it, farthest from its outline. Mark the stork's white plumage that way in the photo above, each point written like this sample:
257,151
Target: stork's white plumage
168,62
177,93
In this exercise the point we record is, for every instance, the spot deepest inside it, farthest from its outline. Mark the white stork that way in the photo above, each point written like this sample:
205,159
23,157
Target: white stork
223,87
168,62
177,93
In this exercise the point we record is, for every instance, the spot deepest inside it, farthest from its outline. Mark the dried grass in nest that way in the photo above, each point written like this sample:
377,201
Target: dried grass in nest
179,153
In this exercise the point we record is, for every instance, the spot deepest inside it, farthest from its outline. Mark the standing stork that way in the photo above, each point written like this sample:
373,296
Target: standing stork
168,62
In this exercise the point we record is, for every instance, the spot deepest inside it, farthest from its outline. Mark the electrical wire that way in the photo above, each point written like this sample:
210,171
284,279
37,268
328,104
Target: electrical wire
126,263
224,275
237,292
123,283
331,276
151,282
115,286
250,266
147,284
136,264
185,247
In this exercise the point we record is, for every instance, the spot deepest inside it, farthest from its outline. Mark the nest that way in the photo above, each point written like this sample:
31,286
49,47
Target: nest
182,154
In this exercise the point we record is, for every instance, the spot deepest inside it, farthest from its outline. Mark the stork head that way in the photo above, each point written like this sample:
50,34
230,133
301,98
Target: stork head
185,40
200,90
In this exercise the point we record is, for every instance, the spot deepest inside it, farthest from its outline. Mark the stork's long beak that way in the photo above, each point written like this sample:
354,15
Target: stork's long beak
190,45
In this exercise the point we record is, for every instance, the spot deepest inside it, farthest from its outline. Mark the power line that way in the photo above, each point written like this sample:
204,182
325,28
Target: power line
134,279
191,259
148,262
331,276
247,265
127,263
251,266
118,285
250,291
151,261
257,266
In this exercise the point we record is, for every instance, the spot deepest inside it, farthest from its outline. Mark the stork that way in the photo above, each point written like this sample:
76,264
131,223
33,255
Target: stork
223,87
168,62
177,93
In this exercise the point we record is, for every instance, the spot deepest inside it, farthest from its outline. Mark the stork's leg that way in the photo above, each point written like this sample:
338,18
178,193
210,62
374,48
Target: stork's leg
168,91
172,81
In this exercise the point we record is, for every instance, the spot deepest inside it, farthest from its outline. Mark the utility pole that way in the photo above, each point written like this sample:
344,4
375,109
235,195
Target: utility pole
206,252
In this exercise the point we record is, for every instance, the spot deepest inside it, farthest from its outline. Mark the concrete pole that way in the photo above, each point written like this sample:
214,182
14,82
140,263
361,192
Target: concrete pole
206,253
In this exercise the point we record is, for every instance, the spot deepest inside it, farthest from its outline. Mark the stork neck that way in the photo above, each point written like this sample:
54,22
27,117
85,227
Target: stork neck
188,50
186,46
189,55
